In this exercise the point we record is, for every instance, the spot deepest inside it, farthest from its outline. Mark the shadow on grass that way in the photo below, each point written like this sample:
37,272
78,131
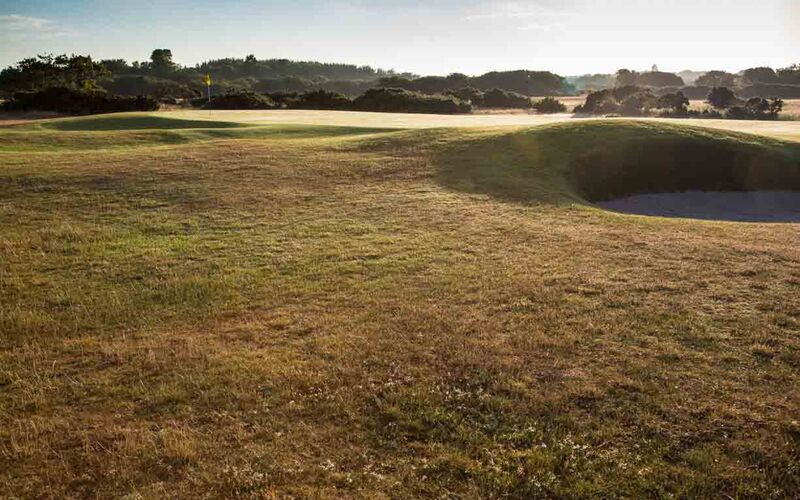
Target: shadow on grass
86,134
596,161
114,122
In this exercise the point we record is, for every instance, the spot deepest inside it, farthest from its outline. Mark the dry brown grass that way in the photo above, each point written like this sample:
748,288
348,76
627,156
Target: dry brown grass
327,318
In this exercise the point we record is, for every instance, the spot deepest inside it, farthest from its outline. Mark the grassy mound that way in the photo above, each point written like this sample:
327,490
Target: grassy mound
126,131
132,121
600,160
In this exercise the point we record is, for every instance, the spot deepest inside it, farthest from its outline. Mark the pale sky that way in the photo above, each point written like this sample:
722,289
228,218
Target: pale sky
568,37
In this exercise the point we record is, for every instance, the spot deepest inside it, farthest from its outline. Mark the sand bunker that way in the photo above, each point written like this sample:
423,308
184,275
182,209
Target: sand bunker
740,206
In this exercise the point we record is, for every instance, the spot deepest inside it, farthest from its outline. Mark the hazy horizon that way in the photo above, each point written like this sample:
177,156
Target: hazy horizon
571,37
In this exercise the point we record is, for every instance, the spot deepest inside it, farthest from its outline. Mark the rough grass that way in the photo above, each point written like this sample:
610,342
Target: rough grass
388,314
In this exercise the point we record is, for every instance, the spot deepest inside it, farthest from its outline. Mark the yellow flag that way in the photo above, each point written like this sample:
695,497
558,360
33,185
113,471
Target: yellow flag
208,79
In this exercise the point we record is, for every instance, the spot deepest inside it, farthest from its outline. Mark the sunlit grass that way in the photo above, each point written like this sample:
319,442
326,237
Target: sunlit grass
325,312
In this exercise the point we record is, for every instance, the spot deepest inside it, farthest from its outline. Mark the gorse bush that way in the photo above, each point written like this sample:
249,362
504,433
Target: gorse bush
629,100
549,105
721,97
133,85
504,99
404,101
241,100
77,102
638,101
467,94
322,99
756,108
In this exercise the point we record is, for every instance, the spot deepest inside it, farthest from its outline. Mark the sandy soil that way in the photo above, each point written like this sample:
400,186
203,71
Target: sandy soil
754,206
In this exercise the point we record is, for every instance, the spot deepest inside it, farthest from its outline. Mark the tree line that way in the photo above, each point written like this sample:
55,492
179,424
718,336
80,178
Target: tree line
162,78
752,82
632,100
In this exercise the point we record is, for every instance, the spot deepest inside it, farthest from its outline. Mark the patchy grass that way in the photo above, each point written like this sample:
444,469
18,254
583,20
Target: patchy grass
422,313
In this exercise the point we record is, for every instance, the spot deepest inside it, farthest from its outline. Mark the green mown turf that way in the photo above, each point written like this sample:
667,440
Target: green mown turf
319,312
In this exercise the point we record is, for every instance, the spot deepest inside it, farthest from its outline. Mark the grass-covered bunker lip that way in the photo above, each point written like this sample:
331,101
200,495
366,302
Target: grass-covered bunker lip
721,177
591,162
674,162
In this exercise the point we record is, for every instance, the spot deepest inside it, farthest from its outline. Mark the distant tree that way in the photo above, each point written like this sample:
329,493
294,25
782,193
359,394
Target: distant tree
637,105
161,61
659,79
467,94
44,71
404,101
625,77
790,75
529,83
287,84
628,100
81,72
721,97
250,65
593,82
503,99
599,103
775,106
676,103
760,75
457,80
549,105
321,99
116,66
717,79
756,108
240,100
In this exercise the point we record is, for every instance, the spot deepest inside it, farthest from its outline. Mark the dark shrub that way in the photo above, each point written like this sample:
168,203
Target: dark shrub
629,100
717,79
721,97
286,84
322,99
348,88
549,105
467,94
241,100
77,102
694,92
134,85
285,99
771,90
627,78
673,104
404,101
601,102
760,75
638,104
756,108
659,79
498,98
530,83
620,94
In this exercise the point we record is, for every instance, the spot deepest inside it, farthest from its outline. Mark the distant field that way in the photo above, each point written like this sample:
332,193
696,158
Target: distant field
777,129
312,304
